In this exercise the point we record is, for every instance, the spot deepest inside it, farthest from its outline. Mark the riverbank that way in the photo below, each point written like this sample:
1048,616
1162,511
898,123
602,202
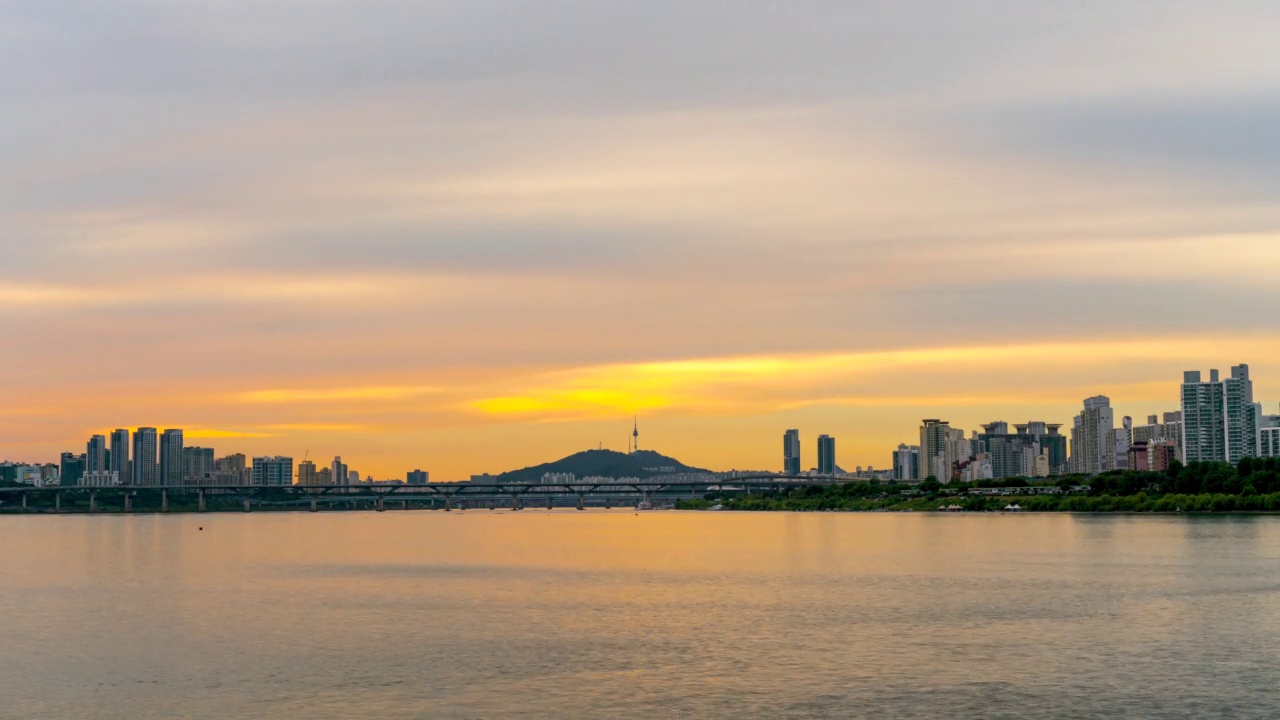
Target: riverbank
1138,503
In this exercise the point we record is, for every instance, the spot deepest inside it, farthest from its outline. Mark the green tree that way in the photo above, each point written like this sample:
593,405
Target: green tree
1244,468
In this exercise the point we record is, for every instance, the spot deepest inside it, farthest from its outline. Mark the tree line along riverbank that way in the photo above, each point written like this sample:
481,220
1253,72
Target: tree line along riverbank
1253,485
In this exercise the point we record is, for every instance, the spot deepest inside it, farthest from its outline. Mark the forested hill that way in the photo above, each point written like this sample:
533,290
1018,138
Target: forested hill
604,463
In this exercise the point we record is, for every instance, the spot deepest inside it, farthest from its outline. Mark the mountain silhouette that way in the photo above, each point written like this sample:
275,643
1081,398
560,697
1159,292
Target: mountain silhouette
603,463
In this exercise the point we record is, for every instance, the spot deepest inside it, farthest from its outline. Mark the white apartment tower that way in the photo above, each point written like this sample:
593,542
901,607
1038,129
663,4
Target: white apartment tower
906,462
120,455
146,471
171,467
1219,418
1092,442
95,454
1121,441
935,450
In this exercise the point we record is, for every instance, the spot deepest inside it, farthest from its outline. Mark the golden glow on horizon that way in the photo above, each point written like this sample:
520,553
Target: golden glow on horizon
692,409
213,434
771,383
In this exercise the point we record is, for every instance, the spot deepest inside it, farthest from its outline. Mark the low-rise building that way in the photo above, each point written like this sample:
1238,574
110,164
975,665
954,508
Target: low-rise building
100,478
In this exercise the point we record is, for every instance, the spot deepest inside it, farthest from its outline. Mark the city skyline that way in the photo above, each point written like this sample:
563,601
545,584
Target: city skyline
288,231
1098,442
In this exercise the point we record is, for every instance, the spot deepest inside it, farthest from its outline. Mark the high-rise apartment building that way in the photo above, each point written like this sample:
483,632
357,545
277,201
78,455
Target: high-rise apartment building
171,458
1092,444
71,469
120,455
1051,440
306,473
418,477
231,463
791,452
339,471
906,462
272,471
234,466
196,463
826,455
1219,417
1269,442
1268,436
1035,449
146,471
936,457
1121,441
95,454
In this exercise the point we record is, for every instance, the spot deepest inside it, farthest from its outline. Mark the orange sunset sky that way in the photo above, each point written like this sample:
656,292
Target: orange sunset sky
470,237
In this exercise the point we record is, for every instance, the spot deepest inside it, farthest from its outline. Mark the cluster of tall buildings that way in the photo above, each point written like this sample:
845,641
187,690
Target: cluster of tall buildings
151,458
1033,449
791,455
1219,422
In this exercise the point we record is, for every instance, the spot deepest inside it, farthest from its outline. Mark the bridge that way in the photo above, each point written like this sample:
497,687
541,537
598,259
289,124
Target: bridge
441,495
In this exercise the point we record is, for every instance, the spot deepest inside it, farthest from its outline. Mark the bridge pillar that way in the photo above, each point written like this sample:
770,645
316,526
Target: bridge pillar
164,501
448,504
581,503
515,503
551,503
314,507
128,502
57,502
404,504
201,506
24,501
381,505
93,502
246,504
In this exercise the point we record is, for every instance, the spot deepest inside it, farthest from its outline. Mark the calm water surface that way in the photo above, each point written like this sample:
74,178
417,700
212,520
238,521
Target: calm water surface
625,615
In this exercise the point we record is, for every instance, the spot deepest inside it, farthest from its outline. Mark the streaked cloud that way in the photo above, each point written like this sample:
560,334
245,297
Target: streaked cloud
319,427
333,394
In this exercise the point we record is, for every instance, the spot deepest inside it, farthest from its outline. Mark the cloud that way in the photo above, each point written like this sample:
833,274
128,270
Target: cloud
362,394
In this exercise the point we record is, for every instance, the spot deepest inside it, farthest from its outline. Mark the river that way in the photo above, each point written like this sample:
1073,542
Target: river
619,614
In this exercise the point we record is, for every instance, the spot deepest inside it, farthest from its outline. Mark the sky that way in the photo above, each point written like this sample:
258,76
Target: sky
473,236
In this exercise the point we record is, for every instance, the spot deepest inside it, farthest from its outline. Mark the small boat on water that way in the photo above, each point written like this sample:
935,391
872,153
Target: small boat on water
1013,508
